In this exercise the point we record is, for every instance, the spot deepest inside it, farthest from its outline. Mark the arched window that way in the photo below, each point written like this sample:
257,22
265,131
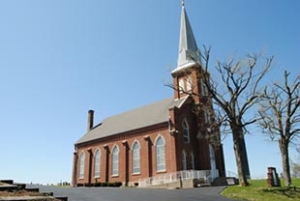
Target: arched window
136,158
97,163
189,84
212,157
207,116
81,165
160,154
192,160
181,85
204,91
183,160
186,131
115,160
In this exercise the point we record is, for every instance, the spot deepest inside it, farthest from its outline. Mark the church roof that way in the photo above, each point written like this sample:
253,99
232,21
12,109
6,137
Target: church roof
189,53
142,117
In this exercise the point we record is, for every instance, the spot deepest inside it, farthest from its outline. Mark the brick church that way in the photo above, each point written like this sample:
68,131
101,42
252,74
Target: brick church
160,142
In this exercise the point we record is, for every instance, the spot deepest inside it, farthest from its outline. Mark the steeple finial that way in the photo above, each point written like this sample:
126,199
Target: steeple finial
182,3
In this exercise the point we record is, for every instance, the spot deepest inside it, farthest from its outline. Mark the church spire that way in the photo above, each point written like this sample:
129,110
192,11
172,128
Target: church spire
189,53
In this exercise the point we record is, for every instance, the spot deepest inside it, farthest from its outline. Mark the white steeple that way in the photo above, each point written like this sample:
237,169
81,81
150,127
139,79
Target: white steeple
189,53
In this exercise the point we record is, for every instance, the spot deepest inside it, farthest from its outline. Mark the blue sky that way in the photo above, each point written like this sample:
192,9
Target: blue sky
58,59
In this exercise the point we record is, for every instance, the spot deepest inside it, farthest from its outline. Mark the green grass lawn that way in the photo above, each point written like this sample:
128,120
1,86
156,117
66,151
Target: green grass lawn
259,191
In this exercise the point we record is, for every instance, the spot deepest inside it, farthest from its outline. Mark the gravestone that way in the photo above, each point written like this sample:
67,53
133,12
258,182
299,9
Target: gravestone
273,179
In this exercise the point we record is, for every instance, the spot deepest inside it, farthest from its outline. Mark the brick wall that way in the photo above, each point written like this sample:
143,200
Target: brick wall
146,137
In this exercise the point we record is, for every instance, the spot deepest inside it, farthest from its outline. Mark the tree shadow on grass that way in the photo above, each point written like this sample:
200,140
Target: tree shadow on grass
289,192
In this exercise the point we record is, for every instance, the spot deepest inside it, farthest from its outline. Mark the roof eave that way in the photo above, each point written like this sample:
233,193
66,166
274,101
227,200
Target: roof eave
133,130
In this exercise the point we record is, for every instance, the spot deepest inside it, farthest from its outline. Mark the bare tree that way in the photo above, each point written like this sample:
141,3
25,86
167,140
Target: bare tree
241,81
233,94
280,117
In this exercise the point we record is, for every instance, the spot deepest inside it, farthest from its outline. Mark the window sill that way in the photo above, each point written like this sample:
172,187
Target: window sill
136,174
80,178
97,177
115,175
161,171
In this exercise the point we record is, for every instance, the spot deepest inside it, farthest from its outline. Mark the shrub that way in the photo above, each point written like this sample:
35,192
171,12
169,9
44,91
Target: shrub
117,184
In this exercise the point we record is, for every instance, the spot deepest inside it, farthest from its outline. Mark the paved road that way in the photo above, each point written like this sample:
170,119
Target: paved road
136,194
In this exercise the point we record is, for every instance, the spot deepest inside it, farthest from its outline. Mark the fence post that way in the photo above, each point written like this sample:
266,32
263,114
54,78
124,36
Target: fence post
180,181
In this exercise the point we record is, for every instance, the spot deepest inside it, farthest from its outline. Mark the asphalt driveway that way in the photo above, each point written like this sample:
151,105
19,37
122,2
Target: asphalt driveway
136,194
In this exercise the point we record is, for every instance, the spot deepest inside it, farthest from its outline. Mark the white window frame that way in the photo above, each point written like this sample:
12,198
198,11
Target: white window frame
189,84
115,161
160,154
181,85
97,163
81,165
136,158
186,131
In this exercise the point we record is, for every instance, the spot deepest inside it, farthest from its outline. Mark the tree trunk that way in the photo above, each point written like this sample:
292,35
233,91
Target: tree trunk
283,145
238,151
245,163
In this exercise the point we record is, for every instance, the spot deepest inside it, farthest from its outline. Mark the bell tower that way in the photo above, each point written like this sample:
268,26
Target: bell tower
187,74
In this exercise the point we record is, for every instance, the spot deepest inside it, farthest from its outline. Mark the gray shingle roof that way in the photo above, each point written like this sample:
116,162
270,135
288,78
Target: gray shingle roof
148,115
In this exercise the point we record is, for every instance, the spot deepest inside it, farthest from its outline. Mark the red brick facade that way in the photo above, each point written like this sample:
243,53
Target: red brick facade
146,137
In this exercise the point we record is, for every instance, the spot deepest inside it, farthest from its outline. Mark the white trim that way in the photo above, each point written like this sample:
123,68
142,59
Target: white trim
98,165
159,135
113,168
81,165
136,142
184,66
185,97
162,155
161,171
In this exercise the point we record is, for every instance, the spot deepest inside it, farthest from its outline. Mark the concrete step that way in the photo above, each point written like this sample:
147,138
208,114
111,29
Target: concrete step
7,181
224,181
9,185
27,198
